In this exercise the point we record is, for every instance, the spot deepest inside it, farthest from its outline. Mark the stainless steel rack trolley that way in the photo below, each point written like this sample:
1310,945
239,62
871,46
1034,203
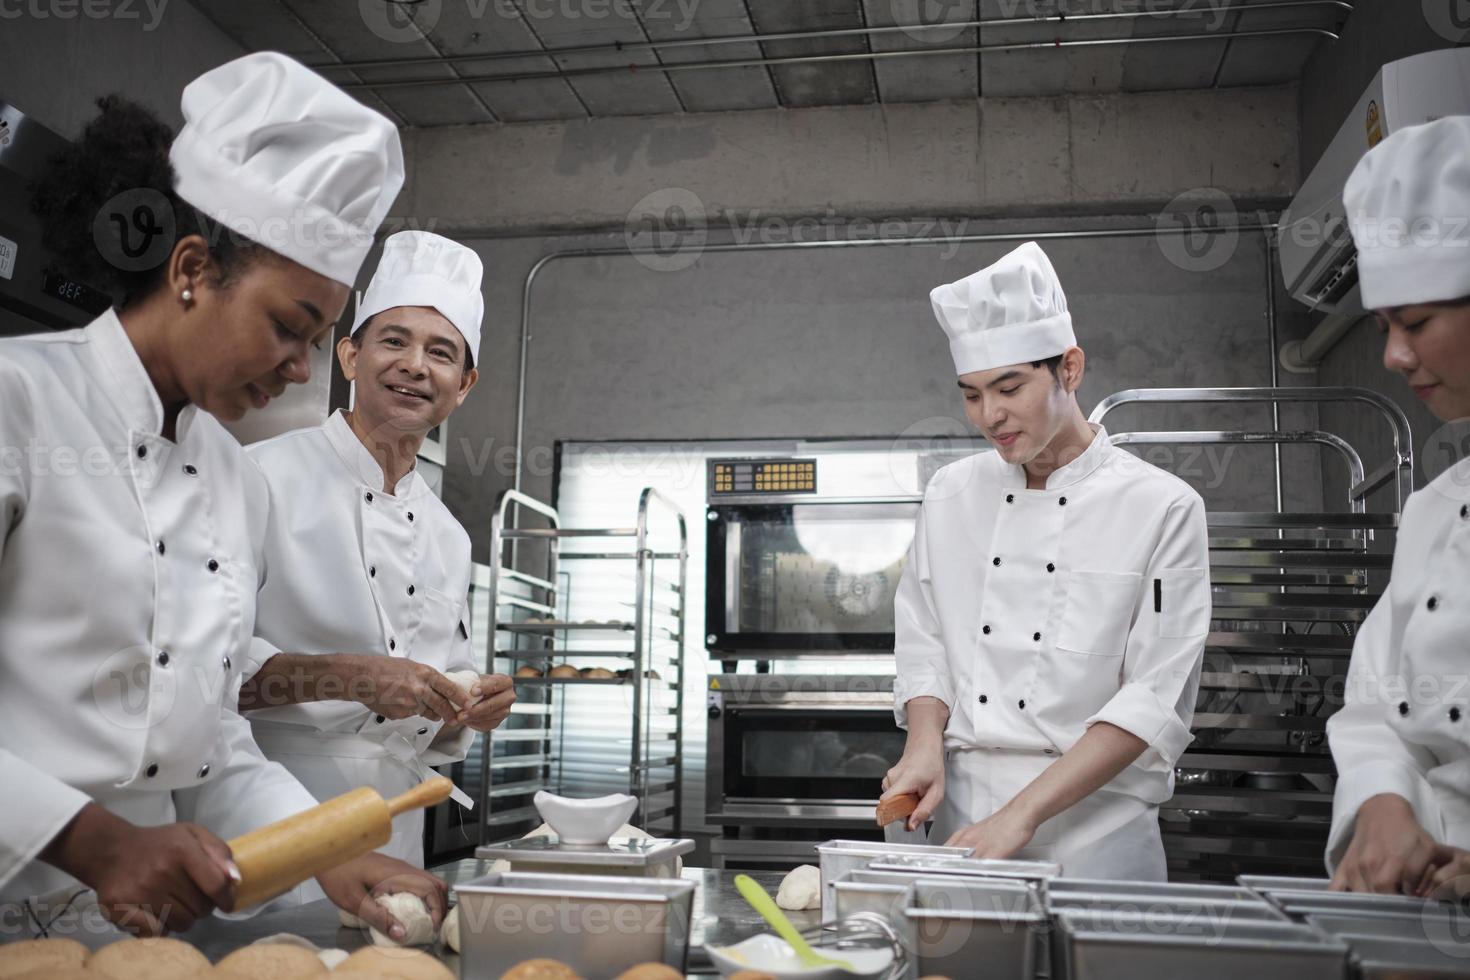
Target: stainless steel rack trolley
1254,791
531,577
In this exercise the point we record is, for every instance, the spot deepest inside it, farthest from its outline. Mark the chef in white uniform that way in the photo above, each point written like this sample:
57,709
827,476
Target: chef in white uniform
1053,611
363,556
1401,814
130,519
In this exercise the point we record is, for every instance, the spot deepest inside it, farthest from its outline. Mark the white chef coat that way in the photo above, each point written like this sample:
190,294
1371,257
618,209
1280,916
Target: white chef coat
127,599
1405,725
350,569
1033,614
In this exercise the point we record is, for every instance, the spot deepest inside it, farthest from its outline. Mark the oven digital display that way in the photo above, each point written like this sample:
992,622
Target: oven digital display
78,294
756,476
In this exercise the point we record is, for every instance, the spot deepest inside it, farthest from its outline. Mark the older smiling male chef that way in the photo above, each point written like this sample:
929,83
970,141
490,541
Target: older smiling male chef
1053,611
363,557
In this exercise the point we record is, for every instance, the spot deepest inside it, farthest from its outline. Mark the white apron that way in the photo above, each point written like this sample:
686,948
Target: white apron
1107,835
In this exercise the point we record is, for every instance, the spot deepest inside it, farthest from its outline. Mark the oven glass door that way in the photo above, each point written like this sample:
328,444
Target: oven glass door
805,576
829,755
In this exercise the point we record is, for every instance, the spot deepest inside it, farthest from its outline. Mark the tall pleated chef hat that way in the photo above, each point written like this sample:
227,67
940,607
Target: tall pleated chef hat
1408,205
277,153
423,269
1011,312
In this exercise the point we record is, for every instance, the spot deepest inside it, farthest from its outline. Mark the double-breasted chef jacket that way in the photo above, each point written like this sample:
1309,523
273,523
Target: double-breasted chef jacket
1034,614
128,573
351,569
1405,724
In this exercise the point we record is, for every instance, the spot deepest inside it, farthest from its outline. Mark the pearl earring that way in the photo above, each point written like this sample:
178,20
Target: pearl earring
187,295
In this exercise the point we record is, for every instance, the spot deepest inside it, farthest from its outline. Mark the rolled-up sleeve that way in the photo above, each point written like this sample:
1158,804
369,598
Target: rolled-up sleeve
921,663
1166,641
1372,757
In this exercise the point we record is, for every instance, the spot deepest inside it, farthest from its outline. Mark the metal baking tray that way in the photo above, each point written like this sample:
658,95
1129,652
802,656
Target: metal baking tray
837,857
628,856
1433,928
1129,948
1279,883
1298,904
967,927
597,927
1033,871
884,898
1148,891
1394,959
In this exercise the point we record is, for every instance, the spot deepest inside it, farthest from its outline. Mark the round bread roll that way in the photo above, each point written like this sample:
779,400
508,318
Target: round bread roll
449,931
29,955
393,961
526,670
412,914
564,670
271,961
540,970
68,972
651,971
154,959
599,673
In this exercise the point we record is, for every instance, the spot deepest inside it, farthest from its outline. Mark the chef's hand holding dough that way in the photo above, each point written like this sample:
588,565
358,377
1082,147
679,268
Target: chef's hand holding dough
491,706
397,687
149,880
355,887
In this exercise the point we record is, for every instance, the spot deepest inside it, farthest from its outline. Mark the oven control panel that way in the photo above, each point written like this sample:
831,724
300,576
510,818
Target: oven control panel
732,477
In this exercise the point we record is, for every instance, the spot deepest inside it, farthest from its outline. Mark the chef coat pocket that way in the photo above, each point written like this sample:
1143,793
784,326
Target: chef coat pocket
1098,613
438,629
1182,601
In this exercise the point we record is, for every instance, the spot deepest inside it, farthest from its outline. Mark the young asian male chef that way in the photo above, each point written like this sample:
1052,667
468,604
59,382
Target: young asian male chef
362,556
1053,611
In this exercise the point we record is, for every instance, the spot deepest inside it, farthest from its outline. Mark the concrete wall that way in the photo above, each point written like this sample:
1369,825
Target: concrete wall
994,157
1377,32
56,58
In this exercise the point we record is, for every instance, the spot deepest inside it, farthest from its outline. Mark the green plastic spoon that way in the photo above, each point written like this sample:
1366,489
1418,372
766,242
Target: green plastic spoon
761,901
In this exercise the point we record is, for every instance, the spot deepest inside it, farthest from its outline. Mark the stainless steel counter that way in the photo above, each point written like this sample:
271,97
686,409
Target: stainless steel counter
721,917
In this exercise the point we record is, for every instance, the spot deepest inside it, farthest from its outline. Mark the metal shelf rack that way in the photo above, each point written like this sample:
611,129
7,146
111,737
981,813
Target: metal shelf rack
1253,793
531,581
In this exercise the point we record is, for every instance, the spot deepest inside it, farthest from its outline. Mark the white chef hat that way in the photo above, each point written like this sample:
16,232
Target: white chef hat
422,269
277,153
1408,205
1012,312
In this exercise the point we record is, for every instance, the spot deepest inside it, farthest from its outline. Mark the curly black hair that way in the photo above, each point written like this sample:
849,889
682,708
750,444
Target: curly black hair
112,191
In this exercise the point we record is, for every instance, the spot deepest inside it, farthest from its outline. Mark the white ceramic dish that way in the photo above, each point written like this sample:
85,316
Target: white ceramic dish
585,821
771,954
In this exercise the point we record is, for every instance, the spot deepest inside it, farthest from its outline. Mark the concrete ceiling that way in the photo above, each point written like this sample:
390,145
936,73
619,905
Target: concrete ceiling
538,64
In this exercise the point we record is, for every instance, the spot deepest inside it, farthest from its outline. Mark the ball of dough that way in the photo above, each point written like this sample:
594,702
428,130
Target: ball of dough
156,959
540,970
30,955
801,889
565,670
526,670
412,914
598,673
465,680
271,961
449,931
650,971
349,920
392,961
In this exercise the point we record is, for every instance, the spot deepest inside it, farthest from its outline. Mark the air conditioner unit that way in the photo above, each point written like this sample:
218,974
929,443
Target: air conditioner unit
1319,263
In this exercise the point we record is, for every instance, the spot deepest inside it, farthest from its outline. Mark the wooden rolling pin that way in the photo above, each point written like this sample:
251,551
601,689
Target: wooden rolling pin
281,856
